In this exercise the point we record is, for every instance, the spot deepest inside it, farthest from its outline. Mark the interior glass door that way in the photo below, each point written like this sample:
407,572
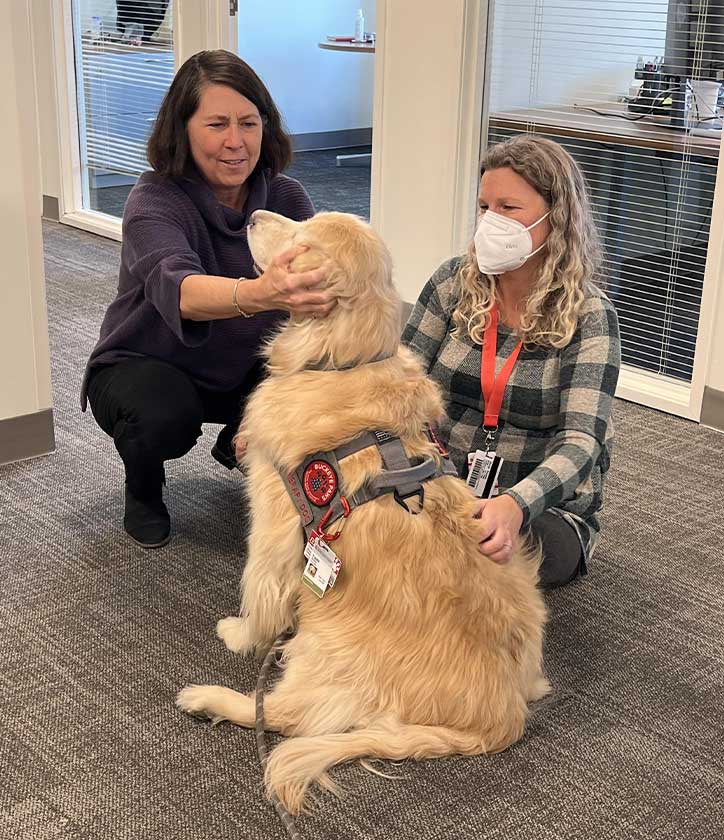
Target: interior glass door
124,64
315,47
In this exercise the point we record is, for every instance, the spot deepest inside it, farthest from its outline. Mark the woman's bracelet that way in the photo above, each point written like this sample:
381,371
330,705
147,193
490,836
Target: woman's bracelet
234,301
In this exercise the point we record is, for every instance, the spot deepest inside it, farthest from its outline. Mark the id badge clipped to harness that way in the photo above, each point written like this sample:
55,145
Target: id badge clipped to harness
323,565
483,464
314,487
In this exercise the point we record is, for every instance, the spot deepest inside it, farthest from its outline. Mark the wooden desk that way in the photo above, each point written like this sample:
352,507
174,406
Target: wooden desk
353,47
612,130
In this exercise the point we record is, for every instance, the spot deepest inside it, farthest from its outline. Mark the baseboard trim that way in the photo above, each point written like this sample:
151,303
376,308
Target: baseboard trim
712,409
51,208
345,139
27,436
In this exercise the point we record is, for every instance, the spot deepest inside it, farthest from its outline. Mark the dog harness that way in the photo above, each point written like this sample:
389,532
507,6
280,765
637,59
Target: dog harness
315,485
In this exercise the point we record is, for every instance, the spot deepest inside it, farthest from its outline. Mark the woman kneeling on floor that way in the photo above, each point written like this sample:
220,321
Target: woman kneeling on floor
525,347
179,345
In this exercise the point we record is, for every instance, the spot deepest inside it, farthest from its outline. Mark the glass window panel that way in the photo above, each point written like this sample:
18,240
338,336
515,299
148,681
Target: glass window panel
124,57
632,90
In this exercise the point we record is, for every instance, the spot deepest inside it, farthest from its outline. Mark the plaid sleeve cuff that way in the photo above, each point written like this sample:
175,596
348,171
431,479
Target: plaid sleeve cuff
559,476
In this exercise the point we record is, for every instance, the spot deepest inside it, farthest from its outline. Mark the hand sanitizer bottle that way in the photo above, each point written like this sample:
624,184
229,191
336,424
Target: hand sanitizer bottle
359,26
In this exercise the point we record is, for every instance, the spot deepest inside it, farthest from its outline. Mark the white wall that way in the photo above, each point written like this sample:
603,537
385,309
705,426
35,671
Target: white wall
316,90
422,129
586,51
41,16
715,374
426,133
24,355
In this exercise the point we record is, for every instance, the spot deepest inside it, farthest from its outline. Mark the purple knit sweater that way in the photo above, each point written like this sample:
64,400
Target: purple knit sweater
173,228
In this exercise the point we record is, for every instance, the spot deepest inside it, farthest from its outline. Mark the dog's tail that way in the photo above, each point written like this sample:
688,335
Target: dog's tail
295,764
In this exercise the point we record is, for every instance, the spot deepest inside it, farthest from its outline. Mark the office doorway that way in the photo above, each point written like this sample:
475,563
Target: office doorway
323,83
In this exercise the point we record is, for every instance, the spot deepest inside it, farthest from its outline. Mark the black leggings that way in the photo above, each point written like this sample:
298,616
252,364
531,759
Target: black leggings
154,412
562,553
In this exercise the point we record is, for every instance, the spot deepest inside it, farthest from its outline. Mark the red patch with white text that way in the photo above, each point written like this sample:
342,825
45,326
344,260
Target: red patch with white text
320,483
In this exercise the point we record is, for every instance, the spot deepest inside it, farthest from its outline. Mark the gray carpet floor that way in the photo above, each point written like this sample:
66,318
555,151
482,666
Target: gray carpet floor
97,635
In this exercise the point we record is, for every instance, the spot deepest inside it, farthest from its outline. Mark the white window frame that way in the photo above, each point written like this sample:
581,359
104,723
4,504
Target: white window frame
661,392
197,25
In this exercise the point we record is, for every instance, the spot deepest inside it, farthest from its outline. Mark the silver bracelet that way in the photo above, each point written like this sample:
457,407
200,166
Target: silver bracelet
234,301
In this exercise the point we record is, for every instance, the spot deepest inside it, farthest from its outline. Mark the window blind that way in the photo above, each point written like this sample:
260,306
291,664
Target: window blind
124,57
632,90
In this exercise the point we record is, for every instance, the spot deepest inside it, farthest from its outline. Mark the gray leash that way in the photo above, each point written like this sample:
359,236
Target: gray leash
261,746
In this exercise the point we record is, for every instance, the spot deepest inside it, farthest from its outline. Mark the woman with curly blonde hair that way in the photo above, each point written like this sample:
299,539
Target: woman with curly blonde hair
525,347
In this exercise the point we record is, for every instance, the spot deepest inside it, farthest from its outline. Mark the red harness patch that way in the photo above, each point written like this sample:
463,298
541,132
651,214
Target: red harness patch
320,483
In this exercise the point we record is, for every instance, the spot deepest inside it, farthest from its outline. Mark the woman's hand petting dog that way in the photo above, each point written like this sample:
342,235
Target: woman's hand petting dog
297,292
500,520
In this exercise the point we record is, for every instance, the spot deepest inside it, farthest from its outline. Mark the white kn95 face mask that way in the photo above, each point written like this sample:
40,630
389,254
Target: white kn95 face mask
503,244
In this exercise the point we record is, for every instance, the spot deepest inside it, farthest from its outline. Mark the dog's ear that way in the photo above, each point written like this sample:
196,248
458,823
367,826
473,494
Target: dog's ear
361,265
310,259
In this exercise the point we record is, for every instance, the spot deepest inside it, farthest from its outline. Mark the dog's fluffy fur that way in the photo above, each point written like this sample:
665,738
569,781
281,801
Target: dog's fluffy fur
424,647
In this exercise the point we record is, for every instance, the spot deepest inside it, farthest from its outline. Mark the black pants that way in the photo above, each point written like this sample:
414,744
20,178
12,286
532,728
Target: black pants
562,554
154,411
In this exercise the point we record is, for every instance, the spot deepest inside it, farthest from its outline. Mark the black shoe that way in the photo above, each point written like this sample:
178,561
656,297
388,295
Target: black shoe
147,523
223,450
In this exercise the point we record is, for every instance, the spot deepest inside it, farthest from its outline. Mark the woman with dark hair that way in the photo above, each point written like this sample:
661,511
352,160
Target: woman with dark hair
179,345
525,347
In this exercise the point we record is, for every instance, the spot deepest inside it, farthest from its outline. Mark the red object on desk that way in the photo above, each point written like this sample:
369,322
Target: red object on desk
347,38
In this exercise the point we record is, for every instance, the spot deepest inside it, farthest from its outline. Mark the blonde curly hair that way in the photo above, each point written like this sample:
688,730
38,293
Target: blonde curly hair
573,255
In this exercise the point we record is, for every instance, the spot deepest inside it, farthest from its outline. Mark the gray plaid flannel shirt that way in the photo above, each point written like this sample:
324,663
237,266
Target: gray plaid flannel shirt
555,427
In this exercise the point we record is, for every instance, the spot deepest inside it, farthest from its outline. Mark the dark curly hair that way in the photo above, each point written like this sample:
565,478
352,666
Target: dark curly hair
168,148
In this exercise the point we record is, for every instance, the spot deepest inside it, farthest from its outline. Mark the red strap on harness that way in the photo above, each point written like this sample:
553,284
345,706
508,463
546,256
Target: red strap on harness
325,519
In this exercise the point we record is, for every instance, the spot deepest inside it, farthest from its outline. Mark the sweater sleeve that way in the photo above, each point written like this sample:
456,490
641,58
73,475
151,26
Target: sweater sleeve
157,254
589,368
428,323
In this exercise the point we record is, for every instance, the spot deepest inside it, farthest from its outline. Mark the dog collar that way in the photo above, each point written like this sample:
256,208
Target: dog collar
323,365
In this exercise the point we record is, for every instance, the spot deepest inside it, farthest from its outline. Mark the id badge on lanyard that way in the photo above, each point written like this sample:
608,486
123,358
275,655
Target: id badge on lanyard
483,464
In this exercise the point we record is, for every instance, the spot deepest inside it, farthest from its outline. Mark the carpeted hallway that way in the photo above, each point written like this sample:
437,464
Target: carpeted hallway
97,635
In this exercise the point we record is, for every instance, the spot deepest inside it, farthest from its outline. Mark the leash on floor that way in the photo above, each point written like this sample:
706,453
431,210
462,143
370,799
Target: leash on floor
269,660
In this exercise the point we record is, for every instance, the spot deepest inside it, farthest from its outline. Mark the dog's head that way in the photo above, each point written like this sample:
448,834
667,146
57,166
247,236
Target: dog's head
366,322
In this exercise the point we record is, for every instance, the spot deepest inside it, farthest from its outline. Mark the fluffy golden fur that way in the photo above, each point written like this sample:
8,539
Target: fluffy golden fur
424,647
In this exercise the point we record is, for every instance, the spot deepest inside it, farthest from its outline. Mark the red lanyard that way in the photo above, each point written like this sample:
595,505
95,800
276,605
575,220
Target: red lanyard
494,387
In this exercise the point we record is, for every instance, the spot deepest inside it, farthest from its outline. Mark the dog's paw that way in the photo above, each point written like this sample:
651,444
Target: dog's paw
234,633
199,700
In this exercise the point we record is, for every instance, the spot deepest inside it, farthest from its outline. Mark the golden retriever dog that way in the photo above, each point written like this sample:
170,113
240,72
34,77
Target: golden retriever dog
424,647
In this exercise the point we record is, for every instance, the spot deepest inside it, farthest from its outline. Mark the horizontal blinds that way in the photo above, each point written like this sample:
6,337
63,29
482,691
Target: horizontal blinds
124,66
632,90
